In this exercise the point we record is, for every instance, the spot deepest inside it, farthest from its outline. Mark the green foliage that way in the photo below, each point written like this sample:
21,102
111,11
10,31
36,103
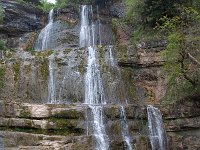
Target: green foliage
16,69
1,15
2,45
133,12
2,74
46,6
74,3
168,24
171,56
181,54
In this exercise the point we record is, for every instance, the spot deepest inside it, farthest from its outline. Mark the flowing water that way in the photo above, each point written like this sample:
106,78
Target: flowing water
125,128
95,97
94,92
43,41
99,26
111,58
52,81
85,32
1,144
157,133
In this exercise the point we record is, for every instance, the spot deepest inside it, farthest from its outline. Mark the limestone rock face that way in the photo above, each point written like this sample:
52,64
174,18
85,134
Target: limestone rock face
28,123
63,126
20,18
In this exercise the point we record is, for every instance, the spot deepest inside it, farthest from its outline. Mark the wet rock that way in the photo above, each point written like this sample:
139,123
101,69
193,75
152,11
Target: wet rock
142,143
182,124
117,9
16,140
177,141
186,108
20,18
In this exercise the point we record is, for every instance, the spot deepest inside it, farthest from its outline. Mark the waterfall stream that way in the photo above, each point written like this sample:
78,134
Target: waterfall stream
125,128
157,133
1,144
43,41
52,81
85,32
94,92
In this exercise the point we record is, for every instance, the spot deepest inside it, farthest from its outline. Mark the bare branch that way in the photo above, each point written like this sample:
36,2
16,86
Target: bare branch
193,59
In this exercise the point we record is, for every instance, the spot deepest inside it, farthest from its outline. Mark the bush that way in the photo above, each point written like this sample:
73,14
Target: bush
74,3
181,55
46,6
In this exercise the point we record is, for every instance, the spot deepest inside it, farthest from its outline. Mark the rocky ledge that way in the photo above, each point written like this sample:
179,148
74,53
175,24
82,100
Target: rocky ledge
68,126
64,126
20,18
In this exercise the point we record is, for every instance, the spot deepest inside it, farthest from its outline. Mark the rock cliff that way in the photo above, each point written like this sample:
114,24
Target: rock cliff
26,122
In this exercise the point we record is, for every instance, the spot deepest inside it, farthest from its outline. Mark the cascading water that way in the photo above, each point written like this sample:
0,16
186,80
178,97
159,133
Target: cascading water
125,128
119,93
157,133
1,144
43,41
123,119
93,83
94,92
85,32
99,26
111,58
52,81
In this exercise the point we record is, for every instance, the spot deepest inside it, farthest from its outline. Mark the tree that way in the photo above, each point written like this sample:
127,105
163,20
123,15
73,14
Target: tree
46,6
181,55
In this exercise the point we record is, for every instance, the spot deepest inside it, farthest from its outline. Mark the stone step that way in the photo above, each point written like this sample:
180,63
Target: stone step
27,141
60,126
19,140
68,111
182,124
31,125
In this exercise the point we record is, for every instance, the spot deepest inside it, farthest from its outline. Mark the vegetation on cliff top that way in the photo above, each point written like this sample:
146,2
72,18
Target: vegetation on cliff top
177,22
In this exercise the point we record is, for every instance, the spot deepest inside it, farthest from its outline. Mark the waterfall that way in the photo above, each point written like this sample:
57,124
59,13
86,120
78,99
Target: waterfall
99,25
94,92
99,128
1,143
125,128
111,58
120,85
119,93
52,81
61,89
43,41
85,35
156,129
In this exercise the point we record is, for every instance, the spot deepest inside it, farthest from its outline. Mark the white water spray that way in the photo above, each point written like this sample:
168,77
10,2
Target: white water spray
44,39
1,144
112,60
125,128
157,133
52,81
85,32
94,92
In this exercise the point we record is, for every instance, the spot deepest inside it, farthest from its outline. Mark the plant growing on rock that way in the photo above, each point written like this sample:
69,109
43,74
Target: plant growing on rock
1,15
45,5
2,45
181,55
